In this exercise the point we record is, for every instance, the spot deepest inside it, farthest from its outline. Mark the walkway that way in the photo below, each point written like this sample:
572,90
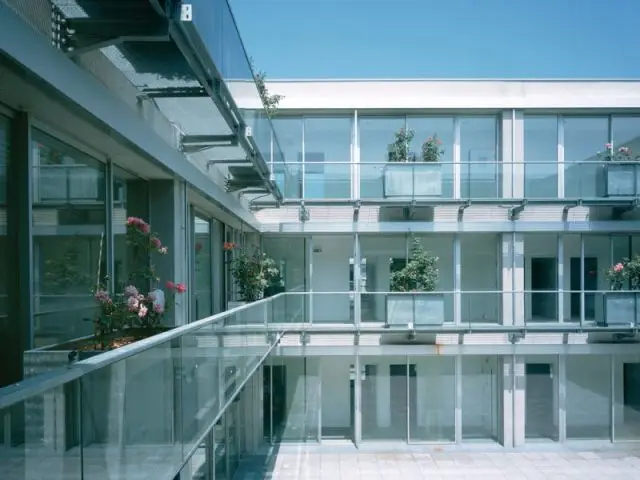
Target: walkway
435,463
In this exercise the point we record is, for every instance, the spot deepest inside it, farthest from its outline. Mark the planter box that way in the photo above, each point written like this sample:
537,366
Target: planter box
412,180
131,402
620,308
621,179
425,309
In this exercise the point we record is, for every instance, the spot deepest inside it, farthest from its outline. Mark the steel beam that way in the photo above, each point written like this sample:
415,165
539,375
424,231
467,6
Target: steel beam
175,92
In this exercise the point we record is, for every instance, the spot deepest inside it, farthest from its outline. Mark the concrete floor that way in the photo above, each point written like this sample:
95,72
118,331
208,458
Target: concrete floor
436,463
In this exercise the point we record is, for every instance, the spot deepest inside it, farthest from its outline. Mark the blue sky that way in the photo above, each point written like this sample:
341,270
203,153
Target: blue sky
442,38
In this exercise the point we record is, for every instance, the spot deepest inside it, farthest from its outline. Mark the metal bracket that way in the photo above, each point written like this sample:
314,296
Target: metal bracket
86,34
619,211
271,337
238,161
516,337
356,210
186,12
175,92
514,212
304,338
462,208
410,211
356,337
304,213
197,143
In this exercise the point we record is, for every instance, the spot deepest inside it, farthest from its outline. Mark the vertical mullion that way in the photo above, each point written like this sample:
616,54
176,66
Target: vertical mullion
303,159
582,299
109,231
457,180
560,280
357,307
457,279
458,399
357,401
560,159
355,158
407,378
612,406
562,397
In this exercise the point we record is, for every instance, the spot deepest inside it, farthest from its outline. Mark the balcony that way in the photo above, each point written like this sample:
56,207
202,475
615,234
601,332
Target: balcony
483,182
191,62
141,410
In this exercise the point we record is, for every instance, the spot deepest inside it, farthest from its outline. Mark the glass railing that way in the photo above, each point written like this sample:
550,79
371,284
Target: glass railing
214,23
476,308
139,411
475,180
67,183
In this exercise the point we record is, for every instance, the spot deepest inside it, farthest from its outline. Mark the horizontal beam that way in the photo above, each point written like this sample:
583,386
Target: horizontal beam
175,92
461,202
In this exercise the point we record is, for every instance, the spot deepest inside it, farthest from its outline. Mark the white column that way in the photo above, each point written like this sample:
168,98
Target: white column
518,180
562,397
513,278
309,281
457,171
519,401
506,383
457,280
518,279
560,255
458,398
507,153
357,261
357,401
560,157
507,278
355,158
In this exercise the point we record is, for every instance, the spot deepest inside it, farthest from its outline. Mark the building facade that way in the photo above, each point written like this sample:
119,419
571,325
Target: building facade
520,341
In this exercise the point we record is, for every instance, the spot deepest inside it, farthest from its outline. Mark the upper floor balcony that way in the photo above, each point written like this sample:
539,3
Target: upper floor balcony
485,158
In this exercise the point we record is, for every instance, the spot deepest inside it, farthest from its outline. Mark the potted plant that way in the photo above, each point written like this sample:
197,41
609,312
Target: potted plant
405,176
620,176
412,301
253,273
622,301
133,313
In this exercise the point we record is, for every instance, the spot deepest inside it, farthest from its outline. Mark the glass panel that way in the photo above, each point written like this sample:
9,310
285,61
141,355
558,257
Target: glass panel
431,399
480,398
5,323
541,156
626,394
131,407
441,247
295,399
287,168
540,278
327,180
385,397
541,397
32,447
220,448
69,239
332,307
597,254
203,268
626,133
481,174
588,397
376,134
130,199
481,278
327,139
583,139
442,127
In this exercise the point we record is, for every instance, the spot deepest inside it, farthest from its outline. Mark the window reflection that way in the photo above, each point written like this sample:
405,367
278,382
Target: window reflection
327,153
376,134
481,175
130,199
626,133
541,156
584,137
287,171
4,247
202,264
68,239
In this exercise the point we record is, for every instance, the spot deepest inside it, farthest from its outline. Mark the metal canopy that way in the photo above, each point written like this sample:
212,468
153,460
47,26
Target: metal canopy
162,49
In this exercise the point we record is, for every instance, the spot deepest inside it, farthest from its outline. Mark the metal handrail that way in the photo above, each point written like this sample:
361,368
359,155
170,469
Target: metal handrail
39,384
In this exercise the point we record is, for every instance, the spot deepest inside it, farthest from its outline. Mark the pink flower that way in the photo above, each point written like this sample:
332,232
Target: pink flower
618,267
158,308
155,241
608,146
181,288
624,151
144,228
102,296
170,285
143,311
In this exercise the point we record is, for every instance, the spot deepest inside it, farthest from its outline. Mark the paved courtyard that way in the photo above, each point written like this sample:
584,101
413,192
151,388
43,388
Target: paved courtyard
345,463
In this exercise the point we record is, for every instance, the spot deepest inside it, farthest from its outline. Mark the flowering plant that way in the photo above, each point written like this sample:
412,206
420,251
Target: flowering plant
253,272
624,273
622,154
431,149
131,307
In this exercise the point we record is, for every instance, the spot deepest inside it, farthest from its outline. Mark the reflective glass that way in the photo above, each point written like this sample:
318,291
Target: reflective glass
68,239
541,156
542,394
481,174
584,137
626,390
202,294
588,397
376,134
5,323
480,405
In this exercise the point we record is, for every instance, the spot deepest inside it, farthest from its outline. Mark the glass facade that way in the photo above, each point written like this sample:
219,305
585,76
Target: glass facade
203,269
541,156
69,239
6,322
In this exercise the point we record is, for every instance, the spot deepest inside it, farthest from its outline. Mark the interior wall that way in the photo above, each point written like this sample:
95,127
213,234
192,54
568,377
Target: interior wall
330,273
336,397
588,387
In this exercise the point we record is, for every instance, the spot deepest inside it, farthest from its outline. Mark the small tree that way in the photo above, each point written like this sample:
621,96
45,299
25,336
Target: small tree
269,101
432,149
253,272
420,274
624,273
399,150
